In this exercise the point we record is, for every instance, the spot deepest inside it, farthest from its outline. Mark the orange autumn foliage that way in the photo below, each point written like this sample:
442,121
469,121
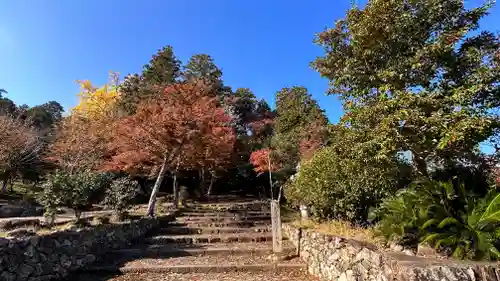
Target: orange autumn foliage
260,160
79,143
185,125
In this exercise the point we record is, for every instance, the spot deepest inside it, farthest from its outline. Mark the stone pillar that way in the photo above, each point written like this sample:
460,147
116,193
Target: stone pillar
304,212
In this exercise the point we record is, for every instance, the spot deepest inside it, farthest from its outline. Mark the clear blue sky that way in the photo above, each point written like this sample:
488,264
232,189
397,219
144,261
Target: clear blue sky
260,44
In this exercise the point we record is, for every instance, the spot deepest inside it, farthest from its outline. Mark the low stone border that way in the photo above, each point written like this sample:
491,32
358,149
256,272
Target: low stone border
52,256
336,258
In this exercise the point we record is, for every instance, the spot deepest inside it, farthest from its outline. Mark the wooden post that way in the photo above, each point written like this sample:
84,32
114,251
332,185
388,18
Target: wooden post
276,227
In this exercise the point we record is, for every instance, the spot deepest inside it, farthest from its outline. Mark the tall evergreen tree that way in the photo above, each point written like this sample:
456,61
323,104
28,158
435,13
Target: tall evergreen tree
162,70
202,66
296,112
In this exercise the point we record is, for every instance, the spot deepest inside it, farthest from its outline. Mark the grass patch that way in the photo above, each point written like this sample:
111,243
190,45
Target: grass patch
22,192
343,229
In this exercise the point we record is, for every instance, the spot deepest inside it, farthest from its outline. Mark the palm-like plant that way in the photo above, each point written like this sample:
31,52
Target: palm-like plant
398,219
445,215
469,232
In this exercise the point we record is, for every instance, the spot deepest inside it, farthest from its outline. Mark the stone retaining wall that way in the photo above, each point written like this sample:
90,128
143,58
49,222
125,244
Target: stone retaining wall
52,256
336,258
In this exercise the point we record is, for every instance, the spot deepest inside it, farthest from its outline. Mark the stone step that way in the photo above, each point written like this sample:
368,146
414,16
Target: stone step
254,206
210,238
211,230
223,211
221,224
174,250
223,219
229,223
224,214
200,264
293,275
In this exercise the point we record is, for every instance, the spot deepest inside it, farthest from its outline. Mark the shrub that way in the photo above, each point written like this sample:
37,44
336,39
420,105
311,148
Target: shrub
101,182
120,194
447,215
341,186
63,189
97,220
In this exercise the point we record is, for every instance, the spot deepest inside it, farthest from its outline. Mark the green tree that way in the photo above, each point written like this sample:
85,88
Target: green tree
55,110
419,82
72,190
202,66
296,111
120,195
341,182
163,69
42,117
7,107
243,104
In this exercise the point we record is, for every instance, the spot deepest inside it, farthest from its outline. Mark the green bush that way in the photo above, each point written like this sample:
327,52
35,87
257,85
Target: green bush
63,189
341,186
447,215
120,194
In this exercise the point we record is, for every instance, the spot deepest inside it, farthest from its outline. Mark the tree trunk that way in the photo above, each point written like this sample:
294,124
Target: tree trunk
78,214
176,185
11,185
202,182
4,186
270,175
211,185
176,192
143,189
156,188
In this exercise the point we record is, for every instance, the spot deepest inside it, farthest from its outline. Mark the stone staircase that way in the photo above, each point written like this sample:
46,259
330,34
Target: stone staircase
204,240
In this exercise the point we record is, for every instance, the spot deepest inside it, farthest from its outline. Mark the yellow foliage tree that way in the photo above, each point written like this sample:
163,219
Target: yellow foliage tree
97,103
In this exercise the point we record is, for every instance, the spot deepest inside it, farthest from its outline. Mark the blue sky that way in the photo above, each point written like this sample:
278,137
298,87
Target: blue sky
260,44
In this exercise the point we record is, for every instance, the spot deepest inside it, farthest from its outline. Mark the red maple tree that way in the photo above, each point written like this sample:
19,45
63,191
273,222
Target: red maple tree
262,160
186,127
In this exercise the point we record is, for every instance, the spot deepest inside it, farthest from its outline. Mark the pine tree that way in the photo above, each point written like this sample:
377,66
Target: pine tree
162,70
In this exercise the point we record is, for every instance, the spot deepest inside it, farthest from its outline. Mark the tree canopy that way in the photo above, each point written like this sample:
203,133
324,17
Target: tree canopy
421,82
296,111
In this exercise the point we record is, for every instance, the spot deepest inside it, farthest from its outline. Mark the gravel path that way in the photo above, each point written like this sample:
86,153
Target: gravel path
240,276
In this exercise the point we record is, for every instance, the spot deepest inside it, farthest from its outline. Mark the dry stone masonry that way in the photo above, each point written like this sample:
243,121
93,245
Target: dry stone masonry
336,258
52,256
